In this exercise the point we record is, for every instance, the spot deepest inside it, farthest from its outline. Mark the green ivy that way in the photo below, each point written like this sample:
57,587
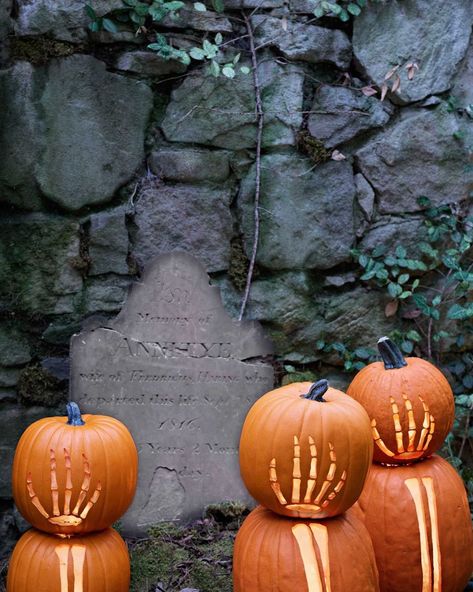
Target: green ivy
342,9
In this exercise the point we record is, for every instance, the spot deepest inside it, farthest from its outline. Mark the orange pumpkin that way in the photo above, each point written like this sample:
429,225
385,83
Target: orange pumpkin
410,405
275,554
96,562
419,522
305,450
73,475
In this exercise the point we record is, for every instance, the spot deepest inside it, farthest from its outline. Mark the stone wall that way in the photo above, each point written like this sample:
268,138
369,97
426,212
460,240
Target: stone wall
111,155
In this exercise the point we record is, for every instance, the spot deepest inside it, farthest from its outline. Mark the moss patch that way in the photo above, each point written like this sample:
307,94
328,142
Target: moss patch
39,50
38,387
195,556
312,147
239,264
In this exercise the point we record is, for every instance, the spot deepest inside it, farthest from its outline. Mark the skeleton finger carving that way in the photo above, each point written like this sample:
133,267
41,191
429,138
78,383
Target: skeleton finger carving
413,452
66,518
312,503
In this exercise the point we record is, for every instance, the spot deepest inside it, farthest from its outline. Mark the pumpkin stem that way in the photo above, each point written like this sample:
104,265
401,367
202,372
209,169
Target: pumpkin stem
74,417
317,391
390,354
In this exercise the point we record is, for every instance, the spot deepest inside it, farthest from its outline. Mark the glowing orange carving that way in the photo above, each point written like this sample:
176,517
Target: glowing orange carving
413,452
431,579
67,518
78,559
309,537
311,504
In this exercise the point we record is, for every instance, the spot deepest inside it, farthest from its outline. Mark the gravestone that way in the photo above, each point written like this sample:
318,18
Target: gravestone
181,374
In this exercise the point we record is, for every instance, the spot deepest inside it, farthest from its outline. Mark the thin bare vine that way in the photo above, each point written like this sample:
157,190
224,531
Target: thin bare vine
259,137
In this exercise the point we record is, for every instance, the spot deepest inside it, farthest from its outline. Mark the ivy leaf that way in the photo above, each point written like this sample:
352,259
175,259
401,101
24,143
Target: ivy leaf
214,69
228,71
344,16
320,344
218,38
460,313
90,12
363,353
401,252
197,54
95,26
407,346
354,9
402,279
109,25
200,7
413,335
218,5
244,70
361,3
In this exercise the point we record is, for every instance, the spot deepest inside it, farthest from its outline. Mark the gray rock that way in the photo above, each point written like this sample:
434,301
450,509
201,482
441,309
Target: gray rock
418,156
20,137
9,376
62,19
15,347
148,63
70,116
364,204
308,43
57,367
296,312
306,215
302,6
341,113
189,18
187,218
190,164
400,31
5,20
96,122
463,88
108,242
392,231
39,254
221,112
106,294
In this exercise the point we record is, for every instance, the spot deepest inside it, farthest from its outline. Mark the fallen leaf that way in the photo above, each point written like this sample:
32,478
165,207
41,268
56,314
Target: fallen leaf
368,91
337,155
391,308
396,84
384,90
391,72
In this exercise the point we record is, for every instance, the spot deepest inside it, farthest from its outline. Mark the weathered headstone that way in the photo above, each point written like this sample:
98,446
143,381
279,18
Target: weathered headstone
181,374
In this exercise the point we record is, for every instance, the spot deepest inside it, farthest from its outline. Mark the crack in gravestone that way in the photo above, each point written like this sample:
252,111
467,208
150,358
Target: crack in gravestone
181,374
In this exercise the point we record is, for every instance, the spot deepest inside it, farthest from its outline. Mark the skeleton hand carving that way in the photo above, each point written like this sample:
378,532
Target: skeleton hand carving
312,503
67,518
413,452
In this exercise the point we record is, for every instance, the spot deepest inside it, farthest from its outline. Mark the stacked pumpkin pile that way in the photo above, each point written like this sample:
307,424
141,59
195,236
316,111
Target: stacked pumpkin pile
414,503
305,451
72,478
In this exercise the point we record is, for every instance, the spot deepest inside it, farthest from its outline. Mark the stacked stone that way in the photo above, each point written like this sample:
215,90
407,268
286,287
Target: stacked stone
66,484
305,536
414,503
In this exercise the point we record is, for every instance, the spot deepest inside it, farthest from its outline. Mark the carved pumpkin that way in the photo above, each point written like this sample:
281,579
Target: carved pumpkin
96,562
410,405
419,522
275,554
305,450
73,475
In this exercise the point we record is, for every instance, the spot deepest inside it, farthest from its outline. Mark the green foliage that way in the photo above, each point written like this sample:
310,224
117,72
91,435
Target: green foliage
433,286
342,9
353,360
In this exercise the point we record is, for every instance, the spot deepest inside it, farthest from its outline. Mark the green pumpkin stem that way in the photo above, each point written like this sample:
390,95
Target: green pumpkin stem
390,354
317,391
74,417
